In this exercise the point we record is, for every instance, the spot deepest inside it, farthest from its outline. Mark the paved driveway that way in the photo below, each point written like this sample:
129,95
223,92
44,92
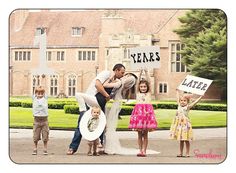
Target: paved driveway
209,146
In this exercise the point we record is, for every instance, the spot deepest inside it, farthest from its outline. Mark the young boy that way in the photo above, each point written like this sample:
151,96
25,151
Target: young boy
92,125
40,113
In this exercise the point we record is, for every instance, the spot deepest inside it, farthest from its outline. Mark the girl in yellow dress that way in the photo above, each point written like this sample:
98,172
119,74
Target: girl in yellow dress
181,128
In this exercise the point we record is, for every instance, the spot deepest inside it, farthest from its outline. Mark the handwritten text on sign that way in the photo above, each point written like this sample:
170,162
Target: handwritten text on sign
145,57
195,85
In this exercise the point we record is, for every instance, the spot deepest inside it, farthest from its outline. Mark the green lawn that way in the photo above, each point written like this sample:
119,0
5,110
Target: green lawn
22,117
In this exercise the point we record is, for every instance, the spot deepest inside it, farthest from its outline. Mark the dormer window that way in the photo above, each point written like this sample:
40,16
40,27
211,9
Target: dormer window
77,31
40,31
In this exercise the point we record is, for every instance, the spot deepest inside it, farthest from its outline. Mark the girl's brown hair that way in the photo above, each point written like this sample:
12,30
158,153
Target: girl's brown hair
145,82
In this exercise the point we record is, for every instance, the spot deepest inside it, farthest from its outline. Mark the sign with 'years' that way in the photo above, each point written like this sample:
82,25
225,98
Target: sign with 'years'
145,57
195,85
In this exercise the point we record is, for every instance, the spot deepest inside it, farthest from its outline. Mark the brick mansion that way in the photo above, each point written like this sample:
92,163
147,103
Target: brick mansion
82,43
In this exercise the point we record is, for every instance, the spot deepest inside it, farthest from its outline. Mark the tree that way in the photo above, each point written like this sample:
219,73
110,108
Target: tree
205,53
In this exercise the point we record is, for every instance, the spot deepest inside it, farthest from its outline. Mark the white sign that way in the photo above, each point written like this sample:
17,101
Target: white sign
84,126
145,57
195,85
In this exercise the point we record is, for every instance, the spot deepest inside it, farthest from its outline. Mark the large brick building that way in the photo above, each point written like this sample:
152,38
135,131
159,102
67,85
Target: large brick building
82,43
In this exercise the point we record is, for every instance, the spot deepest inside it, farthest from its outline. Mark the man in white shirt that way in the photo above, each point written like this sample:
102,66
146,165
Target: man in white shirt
96,95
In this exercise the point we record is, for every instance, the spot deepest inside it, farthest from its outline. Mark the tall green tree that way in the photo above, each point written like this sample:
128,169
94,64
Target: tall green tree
204,33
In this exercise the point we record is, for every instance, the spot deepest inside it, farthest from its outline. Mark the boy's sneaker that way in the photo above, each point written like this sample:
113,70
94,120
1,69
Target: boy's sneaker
45,152
34,152
89,153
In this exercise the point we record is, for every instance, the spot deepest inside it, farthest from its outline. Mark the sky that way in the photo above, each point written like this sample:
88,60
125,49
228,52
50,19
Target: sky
6,165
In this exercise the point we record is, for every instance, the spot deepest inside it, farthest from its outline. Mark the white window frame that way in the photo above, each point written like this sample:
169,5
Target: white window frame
54,86
176,64
59,59
37,82
86,55
71,87
77,31
51,55
25,56
163,84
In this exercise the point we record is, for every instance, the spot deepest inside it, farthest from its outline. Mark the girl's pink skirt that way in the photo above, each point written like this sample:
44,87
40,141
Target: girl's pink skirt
143,118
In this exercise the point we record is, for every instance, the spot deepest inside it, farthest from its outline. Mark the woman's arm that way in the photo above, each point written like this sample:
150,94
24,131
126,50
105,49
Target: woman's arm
114,84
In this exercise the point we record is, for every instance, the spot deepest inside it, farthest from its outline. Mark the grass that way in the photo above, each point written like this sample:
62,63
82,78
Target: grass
58,119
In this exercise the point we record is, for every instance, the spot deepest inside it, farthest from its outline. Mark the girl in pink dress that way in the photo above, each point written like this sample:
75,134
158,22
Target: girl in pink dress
143,118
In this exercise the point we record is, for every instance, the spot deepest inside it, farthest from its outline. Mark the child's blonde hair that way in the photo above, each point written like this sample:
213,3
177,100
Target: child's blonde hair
186,96
39,89
96,107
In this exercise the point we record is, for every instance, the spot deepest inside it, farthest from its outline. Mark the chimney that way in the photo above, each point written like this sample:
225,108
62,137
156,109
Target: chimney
112,22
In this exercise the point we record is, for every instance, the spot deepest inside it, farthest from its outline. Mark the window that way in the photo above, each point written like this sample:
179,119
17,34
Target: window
22,56
126,53
16,56
176,58
60,55
162,88
87,55
76,31
49,56
71,85
93,55
84,55
35,82
54,85
80,56
28,56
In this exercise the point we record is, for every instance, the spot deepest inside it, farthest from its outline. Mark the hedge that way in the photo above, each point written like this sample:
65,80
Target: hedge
73,109
126,108
199,106
15,103
51,105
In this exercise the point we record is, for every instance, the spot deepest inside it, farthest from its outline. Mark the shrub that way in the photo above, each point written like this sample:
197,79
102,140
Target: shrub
126,110
71,109
55,105
15,103
26,104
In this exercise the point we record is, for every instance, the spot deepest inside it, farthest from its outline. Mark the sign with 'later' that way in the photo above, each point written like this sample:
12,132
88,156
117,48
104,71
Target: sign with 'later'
195,85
